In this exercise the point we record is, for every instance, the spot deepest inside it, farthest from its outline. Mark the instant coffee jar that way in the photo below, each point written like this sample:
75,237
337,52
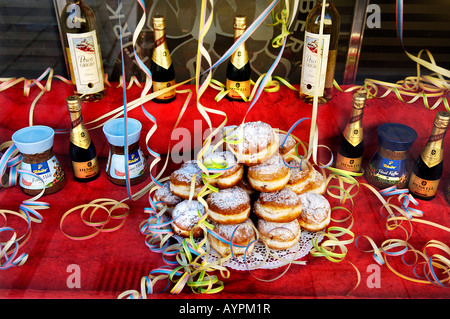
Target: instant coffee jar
391,165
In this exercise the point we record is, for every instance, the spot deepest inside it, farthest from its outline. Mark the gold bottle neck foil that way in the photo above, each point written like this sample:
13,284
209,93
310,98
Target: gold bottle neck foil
161,54
79,135
353,131
433,152
73,103
240,22
239,58
359,100
159,22
442,119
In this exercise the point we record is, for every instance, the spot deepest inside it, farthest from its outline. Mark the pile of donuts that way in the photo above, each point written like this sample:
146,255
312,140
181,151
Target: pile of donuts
262,186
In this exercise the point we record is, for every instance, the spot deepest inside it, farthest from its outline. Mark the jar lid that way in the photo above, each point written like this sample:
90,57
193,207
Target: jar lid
33,139
396,137
115,131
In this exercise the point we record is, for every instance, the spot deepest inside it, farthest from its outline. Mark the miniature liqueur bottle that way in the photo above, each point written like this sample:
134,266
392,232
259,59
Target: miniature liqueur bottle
427,169
83,53
350,154
331,27
162,69
81,147
238,68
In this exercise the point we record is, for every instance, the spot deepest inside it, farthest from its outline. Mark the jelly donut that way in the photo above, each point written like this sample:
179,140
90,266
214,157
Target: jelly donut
287,150
279,236
164,197
228,206
280,207
231,171
316,212
181,179
243,235
185,218
305,178
255,142
270,176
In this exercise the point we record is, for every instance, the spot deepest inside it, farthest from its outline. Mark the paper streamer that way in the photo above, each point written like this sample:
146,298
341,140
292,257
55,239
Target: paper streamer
10,256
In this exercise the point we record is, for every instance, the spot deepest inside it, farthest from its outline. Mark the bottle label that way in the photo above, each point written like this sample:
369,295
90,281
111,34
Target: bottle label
157,86
239,58
388,171
85,169
161,54
79,135
348,164
433,153
422,187
309,64
353,131
241,86
49,171
86,65
136,165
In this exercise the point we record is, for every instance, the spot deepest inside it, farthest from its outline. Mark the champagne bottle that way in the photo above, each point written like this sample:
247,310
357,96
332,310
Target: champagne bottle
83,53
331,27
162,69
351,151
427,170
238,68
81,148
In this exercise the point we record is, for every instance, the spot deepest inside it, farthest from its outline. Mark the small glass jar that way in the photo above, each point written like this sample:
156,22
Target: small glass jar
35,143
137,164
391,164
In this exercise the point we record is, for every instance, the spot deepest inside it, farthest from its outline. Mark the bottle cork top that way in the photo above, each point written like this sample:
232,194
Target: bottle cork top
159,22
73,103
442,119
240,22
359,100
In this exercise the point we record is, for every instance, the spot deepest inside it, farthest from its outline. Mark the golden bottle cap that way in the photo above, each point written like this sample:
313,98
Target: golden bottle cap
73,103
159,22
442,119
359,100
240,22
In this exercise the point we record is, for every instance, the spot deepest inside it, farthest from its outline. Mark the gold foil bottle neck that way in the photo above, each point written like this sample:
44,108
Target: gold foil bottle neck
240,22
359,100
73,103
442,119
159,22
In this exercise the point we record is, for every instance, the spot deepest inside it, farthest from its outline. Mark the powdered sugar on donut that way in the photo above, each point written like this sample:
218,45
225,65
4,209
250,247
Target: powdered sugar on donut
269,168
229,199
164,194
315,207
245,230
187,216
220,159
282,231
255,136
299,172
186,172
284,197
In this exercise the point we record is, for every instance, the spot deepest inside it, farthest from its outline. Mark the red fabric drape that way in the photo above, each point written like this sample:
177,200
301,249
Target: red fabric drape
114,262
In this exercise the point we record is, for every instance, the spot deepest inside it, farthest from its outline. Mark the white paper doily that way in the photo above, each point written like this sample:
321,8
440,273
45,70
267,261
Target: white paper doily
275,258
